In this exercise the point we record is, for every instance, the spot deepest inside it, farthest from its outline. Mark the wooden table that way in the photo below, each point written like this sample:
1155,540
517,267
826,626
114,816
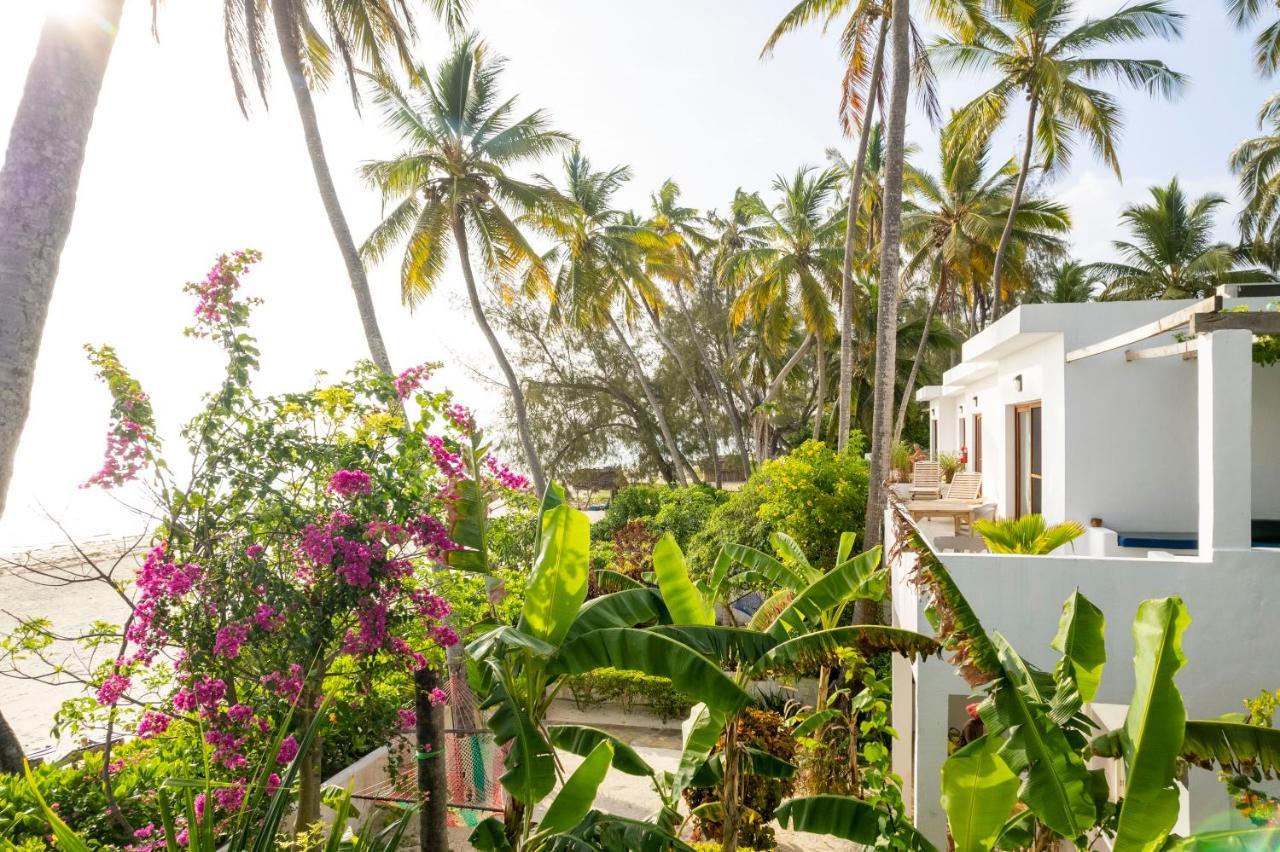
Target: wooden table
956,510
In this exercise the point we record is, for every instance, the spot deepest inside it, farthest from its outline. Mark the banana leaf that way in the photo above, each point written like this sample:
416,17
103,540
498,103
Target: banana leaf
1216,743
628,608
574,800
1082,641
559,582
856,578
765,565
682,599
653,654
787,548
849,819
814,721
728,646
822,647
979,791
582,739
530,764
1153,728
1234,840
701,731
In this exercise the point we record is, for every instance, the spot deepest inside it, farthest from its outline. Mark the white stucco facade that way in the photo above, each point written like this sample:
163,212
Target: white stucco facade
1169,445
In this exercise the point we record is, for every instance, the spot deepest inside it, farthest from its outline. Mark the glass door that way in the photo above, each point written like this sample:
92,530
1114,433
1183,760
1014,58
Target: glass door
1028,485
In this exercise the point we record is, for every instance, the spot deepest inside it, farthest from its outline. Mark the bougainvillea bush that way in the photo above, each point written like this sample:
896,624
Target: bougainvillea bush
295,556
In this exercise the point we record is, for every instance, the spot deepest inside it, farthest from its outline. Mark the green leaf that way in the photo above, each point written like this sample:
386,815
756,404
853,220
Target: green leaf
648,652
582,739
1153,728
682,599
614,581
489,836
787,548
1232,746
765,565
979,791
559,582
728,646
67,839
1057,783
857,578
701,731
1082,641
628,608
578,793
814,721
849,819
822,647
845,547
1235,840
530,765
469,528
758,763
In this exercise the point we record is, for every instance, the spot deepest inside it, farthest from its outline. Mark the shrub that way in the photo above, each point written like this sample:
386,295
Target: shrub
630,503
767,731
950,465
629,688
633,548
812,494
513,532
684,511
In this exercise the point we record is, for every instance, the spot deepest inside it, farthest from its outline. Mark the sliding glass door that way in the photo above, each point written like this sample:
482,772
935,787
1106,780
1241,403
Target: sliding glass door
1028,487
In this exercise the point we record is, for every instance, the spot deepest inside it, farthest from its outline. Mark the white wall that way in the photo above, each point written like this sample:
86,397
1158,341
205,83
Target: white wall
1266,442
1230,654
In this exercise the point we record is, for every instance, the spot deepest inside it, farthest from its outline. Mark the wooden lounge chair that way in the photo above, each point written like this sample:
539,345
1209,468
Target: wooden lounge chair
962,503
926,480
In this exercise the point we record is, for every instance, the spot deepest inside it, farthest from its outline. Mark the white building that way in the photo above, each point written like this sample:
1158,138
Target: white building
1150,420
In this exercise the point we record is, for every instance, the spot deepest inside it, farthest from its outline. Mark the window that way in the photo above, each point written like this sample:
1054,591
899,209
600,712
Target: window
1028,486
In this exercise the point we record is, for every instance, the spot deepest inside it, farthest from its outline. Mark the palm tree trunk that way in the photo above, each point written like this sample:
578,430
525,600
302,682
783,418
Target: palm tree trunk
677,458
997,296
850,243
890,260
704,411
38,196
762,429
920,350
726,394
513,383
38,184
820,404
286,18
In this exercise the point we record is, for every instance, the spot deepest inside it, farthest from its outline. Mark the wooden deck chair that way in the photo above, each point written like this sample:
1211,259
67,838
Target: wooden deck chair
926,479
965,486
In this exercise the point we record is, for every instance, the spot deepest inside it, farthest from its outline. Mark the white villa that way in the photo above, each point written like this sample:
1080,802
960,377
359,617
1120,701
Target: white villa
1149,423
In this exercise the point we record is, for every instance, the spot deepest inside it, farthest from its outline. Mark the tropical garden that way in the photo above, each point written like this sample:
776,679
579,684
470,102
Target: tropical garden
702,407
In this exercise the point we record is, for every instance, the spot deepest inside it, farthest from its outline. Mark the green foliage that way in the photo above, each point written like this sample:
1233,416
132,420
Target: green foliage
979,792
633,502
631,689
633,548
684,511
511,535
813,494
900,457
1028,534
950,465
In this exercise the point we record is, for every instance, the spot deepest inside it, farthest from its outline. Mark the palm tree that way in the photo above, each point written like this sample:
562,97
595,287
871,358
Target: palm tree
451,183
37,203
1041,54
601,264
862,46
1256,164
314,35
676,261
1172,254
796,264
1071,281
1266,47
887,307
955,219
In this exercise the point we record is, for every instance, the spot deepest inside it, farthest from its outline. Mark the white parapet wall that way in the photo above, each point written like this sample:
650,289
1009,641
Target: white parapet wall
1230,646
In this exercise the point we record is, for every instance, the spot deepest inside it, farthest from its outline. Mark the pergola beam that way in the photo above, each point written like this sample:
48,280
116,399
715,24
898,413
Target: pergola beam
1259,322
1163,325
1187,349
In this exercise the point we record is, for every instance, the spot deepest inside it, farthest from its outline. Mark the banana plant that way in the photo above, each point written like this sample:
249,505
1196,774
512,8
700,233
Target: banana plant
520,669
1038,740
800,630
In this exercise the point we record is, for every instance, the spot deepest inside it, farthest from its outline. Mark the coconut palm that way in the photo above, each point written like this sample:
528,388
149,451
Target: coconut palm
887,304
955,219
1070,281
1172,253
600,255
1266,47
797,264
1256,164
451,185
862,46
1043,54
313,37
37,202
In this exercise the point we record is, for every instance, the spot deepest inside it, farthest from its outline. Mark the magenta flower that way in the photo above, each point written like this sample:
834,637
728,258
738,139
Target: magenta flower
153,722
438,697
112,689
408,720
349,483
288,750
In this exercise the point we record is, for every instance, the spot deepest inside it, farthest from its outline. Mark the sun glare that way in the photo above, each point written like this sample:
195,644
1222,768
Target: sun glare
68,8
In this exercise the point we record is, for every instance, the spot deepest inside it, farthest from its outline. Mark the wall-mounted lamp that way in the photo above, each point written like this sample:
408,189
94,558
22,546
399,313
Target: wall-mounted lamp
975,402
1017,382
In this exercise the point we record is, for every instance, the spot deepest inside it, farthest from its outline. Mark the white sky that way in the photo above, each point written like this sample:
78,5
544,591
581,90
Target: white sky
175,175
